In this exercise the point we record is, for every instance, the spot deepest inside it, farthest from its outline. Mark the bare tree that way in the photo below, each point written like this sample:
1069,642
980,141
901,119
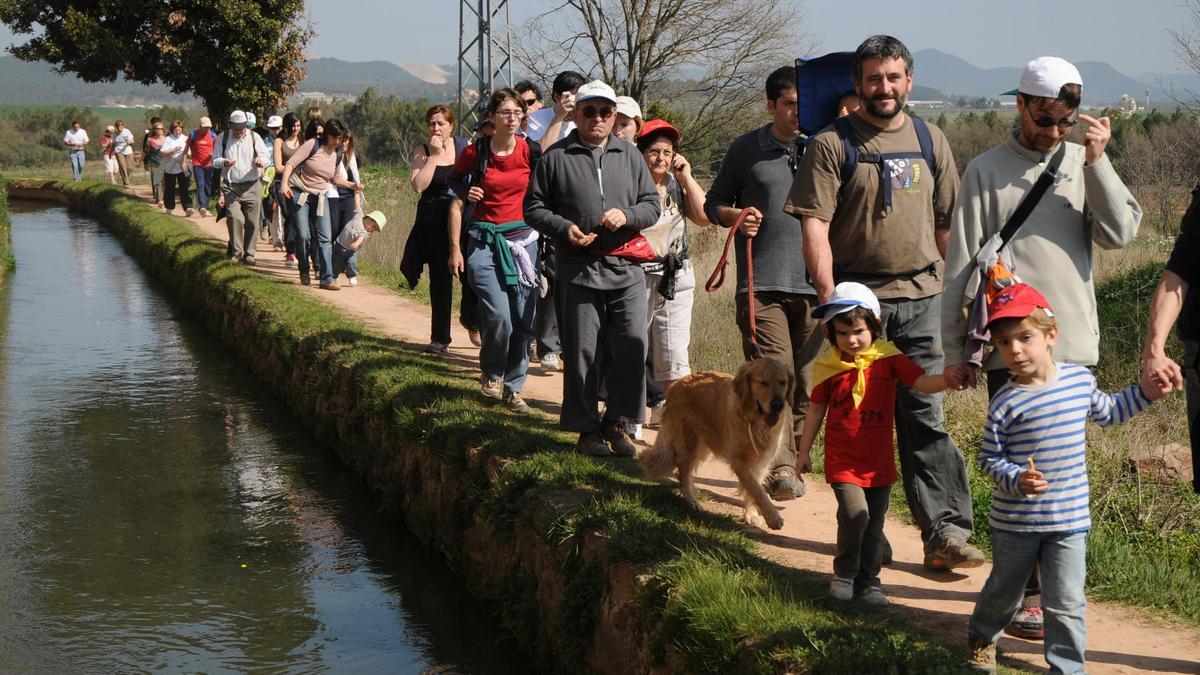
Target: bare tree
704,60
1187,48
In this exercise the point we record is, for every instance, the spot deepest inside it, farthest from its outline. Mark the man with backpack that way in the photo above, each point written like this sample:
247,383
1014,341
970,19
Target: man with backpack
1033,207
875,192
200,144
756,174
241,155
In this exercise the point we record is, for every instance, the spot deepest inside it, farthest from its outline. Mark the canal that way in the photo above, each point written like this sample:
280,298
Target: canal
159,510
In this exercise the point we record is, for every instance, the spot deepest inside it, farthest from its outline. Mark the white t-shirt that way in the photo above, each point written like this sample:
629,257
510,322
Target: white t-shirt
172,153
74,138
539,122
123,143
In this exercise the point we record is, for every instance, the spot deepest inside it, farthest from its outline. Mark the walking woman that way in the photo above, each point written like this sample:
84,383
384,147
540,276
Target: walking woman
307,177
123,150
428,241
153,160
285,145
176,170
501,253
106,152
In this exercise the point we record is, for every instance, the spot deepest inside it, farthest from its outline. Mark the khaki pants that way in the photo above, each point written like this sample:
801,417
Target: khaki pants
243,209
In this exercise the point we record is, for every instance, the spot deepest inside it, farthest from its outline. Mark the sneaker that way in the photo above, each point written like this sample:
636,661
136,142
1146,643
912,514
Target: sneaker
353,281
476,338
189,212
955,554
305,279
550,362
436,348
249,260
330,286
981,654
590,443
615,434
1027,624
289,260
491,388
656,412
841,589
873,595
784,484
514,402
235,258
203,213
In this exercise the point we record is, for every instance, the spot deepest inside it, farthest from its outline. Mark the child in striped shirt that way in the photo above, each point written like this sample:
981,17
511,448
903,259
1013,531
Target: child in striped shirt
1034,448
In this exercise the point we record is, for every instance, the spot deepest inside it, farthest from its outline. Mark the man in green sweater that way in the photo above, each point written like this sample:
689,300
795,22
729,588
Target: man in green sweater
1086,205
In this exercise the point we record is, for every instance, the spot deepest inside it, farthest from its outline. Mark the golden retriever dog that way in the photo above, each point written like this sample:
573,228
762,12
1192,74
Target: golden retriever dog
741,419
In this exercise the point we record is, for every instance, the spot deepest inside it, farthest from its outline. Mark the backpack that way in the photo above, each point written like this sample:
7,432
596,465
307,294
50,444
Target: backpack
850,143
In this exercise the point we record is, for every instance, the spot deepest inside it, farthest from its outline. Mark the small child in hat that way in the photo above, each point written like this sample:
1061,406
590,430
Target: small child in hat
345,249
1034,448
855,382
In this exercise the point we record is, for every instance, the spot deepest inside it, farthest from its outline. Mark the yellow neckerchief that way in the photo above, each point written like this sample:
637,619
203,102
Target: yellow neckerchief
830,363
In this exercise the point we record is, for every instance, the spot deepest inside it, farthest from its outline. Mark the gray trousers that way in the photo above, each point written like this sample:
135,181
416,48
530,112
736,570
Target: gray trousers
860,518
931,466
243,209
620,315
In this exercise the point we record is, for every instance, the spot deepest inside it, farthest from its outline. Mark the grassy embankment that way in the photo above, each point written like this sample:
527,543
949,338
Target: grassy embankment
1145,548
7,261
716,606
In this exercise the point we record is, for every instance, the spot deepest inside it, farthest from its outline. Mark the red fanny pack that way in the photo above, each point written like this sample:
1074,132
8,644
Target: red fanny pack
637,249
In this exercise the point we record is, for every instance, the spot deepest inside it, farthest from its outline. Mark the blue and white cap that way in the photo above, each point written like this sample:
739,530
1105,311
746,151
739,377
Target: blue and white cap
846,296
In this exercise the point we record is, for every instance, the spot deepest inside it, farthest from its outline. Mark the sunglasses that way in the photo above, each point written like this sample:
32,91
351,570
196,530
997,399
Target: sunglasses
604,113
530,101
1047,122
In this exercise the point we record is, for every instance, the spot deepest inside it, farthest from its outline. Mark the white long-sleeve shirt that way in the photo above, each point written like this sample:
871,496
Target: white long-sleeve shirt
235,156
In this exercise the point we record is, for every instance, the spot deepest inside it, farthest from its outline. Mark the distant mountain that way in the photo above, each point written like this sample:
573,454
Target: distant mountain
335,76
24,82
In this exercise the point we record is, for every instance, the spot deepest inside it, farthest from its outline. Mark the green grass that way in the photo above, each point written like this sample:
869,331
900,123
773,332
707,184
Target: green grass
7,261
722,608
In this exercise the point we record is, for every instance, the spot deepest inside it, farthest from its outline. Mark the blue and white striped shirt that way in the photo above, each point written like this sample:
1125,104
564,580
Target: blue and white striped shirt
1047,422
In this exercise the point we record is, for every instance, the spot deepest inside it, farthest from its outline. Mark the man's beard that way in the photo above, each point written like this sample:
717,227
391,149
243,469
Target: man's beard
877,112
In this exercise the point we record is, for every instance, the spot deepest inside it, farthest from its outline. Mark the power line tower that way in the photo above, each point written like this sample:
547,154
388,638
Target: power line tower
485,59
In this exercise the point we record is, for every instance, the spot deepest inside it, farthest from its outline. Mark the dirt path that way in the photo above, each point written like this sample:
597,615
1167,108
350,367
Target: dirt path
1120,639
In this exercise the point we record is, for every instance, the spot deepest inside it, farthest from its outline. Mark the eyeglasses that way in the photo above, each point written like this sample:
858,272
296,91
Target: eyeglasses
1047,122
510,113
604,113
530,101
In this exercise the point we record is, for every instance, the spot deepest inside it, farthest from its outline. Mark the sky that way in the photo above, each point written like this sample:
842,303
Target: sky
1130,35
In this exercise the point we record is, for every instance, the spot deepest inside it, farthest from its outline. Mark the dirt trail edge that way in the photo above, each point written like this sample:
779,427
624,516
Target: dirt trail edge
1120,639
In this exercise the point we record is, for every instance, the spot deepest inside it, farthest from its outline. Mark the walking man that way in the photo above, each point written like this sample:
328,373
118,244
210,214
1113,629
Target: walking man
76,139
756,175
241,155
875,192
201,142
547,126
592,193
1085,205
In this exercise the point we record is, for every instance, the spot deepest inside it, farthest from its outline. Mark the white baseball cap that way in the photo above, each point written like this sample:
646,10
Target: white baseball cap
237,120
846,296
595,89
1045,77
628,107
251,120
274,122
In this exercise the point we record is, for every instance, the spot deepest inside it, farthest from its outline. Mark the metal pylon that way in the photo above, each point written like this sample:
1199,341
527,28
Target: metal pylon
484,55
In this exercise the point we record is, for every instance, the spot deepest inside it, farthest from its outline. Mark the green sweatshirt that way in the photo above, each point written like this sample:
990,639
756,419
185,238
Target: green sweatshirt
1052,251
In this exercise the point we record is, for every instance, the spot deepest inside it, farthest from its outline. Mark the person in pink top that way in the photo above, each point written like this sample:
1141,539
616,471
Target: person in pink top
306,179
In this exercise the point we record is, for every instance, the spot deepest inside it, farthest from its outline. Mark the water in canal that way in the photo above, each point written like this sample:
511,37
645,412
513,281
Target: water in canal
159,510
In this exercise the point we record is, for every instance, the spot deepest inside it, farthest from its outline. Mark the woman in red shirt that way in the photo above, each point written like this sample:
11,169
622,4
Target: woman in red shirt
501,250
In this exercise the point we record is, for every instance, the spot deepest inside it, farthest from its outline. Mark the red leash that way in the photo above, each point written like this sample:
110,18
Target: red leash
718,277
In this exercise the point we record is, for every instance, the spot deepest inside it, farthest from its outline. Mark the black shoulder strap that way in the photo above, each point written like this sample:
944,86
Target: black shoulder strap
845,131
925,139
1031,200
483,152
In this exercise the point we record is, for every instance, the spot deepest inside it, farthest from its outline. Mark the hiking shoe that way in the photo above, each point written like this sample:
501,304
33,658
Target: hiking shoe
305,279
783,484
491,388
1027,624
617,437
873,595
551,362
189,212
476,338
981,654
330,286
656,412
289,260
353,281
203,213
841,589
514,402
235,258
590,443
436,348
955,554
249,260
886,557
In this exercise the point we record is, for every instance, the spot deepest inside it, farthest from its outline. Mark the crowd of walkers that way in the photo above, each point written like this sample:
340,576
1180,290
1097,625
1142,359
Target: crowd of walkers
567,227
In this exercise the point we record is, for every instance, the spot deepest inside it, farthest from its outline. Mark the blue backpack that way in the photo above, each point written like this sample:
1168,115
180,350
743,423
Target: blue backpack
850,145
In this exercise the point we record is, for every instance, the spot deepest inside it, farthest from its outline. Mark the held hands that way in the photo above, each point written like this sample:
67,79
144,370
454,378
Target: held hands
961,376
752,222
1095,140
475,194
1160,376
578,238
613,219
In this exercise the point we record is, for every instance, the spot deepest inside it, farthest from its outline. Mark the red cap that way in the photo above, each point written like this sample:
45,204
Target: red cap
658,126
1017,302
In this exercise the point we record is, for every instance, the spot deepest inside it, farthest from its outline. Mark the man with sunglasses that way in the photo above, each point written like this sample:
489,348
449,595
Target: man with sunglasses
1086,205
532,96
592,194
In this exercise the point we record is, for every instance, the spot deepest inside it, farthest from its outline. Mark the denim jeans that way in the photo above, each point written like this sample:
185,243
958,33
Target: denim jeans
203,176
344,260
931,467
505,317
77,164
310,226
1063,562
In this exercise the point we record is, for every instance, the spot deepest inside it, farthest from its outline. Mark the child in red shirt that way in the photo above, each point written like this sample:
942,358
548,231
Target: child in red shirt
855,383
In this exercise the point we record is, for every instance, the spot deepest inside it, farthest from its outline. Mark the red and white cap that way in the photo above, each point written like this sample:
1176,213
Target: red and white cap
1017,302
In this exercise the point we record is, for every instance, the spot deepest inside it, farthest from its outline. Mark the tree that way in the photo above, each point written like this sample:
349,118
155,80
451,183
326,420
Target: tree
229,53
708,58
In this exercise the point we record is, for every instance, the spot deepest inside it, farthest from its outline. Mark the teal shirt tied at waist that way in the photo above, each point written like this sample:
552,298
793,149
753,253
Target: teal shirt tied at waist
493,235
